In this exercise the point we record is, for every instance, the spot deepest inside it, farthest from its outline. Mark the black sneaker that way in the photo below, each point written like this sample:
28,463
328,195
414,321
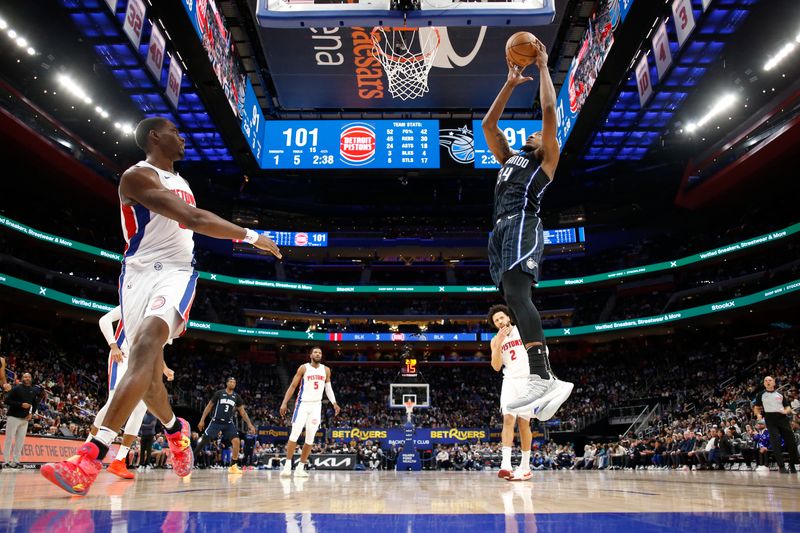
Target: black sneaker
18,466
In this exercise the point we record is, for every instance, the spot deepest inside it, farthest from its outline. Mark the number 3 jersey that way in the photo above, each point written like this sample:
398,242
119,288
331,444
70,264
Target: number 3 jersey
313,384
515,356
225,406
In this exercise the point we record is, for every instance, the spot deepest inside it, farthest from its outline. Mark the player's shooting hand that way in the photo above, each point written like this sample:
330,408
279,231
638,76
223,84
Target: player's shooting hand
116,354
541,59
267,244
336,409
201,425
515,76
283,409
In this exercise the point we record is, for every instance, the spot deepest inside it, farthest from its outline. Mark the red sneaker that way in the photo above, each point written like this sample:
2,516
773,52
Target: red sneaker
119,468
76,474
181,447
505,474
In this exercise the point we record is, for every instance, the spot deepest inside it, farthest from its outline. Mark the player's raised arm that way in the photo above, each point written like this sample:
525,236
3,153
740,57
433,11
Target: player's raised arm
142,186
329,391
495,138
292,387
547,99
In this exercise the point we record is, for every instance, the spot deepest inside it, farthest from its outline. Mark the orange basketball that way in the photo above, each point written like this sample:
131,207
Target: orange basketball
521,48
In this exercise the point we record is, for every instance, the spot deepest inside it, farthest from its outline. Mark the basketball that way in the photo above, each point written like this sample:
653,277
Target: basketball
521,48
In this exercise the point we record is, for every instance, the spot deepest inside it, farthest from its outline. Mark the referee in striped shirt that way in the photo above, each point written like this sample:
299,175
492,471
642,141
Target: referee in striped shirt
777,413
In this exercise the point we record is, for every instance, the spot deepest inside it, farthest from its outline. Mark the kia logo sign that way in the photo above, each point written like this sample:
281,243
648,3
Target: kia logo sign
357,144
330,461
301,239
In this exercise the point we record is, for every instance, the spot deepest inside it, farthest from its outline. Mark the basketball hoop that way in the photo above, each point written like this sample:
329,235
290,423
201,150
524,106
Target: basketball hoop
409,405
407,56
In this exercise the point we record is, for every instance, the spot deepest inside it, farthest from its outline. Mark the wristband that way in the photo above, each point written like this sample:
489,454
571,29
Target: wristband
250,237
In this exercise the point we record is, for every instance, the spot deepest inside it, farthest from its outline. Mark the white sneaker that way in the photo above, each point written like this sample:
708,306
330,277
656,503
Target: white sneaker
521,475
762,468
286,471
535,392
553,400
301,471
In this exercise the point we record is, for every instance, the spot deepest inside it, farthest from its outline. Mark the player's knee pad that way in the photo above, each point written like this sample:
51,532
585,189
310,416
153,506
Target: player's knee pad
311,431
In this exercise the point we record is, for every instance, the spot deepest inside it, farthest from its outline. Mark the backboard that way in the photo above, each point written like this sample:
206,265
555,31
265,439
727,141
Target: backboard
411,13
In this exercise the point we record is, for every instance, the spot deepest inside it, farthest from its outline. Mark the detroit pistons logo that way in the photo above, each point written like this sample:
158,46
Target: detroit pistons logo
357,144
301,239
158,302
398,337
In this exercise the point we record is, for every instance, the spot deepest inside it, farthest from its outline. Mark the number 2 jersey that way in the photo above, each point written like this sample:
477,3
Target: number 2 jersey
515,356
520,186
225,406
313,384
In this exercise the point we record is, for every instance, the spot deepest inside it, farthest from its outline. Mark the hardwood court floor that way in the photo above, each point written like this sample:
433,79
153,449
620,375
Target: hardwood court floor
212,500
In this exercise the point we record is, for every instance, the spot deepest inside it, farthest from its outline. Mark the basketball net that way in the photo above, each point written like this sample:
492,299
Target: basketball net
409,405
406,55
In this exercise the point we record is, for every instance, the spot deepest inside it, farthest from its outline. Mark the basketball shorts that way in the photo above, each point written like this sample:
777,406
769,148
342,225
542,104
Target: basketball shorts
156,290
308,416
516,240
229,431
512,389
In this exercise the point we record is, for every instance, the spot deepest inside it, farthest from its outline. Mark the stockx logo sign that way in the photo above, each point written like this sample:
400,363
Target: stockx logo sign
460,144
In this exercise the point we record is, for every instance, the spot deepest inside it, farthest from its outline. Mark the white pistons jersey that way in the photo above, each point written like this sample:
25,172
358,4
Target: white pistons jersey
515,356
150,237
313,384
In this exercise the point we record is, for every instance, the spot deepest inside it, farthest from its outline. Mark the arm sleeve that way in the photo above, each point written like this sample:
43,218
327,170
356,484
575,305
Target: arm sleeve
106,323
329,392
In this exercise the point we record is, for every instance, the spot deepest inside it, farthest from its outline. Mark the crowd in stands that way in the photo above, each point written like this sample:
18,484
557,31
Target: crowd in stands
704,386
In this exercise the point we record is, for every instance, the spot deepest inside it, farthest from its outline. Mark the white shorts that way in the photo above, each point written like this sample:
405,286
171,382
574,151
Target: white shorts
512,389
156,290
308,416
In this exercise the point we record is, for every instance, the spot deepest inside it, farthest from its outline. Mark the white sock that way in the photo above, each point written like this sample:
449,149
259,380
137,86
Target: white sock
525,464
122,453
506,456
105,435
171,422
89,438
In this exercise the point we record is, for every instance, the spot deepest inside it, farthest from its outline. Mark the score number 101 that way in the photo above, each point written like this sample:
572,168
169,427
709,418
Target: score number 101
301,138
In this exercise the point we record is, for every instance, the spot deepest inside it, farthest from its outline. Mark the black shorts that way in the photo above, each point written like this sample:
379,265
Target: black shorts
229,431
516,240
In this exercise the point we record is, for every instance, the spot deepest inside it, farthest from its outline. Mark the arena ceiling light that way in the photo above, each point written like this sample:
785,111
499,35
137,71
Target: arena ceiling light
787,49
725,102
72,87
21,41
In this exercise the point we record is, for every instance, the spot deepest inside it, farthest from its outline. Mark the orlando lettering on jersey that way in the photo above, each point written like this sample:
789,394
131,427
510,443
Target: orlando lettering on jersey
518,161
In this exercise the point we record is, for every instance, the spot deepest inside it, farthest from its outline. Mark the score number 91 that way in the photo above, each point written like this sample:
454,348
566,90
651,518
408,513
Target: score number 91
516,139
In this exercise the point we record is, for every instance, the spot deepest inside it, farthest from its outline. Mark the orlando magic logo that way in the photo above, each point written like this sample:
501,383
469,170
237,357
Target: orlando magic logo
459,143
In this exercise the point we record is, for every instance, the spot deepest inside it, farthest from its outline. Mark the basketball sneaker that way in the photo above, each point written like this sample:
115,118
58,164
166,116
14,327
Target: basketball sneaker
521,475
76,474
536,390
119,468
301,471
505,472
234,469
286,471
181,447
553,400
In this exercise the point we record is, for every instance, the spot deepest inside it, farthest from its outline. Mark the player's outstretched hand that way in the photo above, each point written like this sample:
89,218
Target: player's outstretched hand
283,409
515,76
267,244
336,409
541,59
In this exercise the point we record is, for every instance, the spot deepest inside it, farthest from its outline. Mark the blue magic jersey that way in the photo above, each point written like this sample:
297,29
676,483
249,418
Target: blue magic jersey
520,185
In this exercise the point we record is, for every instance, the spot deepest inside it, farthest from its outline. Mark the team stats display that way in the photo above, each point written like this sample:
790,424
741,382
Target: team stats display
327,144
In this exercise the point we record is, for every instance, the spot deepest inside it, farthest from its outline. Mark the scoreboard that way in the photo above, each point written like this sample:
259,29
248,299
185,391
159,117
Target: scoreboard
297,238
327,144
516,131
